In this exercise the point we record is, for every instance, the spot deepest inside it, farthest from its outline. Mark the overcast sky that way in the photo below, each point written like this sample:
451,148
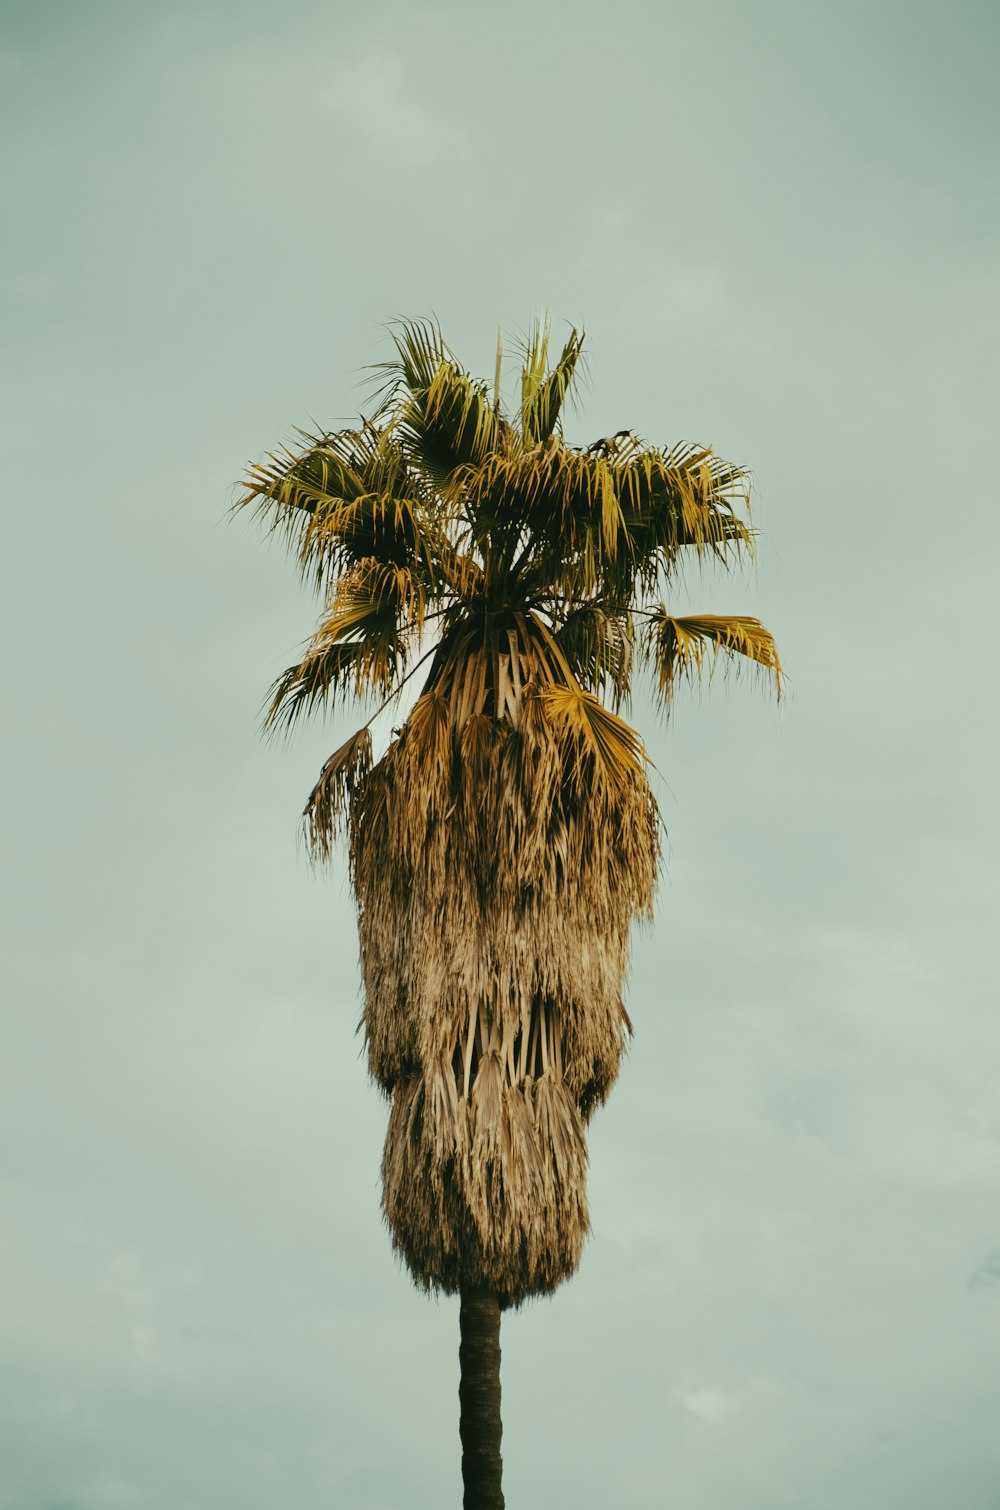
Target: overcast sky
779,225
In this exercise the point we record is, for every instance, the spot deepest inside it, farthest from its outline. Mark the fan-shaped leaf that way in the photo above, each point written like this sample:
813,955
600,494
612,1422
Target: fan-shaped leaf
577,713
681,647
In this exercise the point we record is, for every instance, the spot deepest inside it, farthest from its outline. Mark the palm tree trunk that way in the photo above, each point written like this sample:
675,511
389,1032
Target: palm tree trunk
479,1399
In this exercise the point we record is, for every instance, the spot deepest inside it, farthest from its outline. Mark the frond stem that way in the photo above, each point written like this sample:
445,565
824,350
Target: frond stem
398,689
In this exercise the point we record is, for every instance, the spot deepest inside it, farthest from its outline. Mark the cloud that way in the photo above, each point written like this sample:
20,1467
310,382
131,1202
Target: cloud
707,1403
374,95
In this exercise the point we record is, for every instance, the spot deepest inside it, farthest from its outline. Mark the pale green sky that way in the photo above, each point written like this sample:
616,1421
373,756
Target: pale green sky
779,224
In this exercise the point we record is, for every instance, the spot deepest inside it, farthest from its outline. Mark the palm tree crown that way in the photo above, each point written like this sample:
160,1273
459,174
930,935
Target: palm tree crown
503,845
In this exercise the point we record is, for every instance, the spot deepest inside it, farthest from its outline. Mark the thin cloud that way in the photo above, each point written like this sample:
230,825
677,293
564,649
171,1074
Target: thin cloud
373,94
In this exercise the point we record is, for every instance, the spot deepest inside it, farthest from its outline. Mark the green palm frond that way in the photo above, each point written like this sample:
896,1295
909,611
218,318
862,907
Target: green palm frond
442,419
602,520
562,504
598,645
682,497
330,468
344,498
543,392
372,594
326,673
681,648
534,369
360,646
389,527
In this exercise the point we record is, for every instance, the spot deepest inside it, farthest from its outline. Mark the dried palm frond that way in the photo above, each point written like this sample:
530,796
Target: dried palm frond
330,799
494,947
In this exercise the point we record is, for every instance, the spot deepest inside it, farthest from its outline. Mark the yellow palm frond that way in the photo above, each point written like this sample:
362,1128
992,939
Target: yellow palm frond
682,647
578,715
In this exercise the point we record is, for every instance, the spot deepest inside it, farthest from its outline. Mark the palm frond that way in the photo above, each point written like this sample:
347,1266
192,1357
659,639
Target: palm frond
542,391
565,505
598,646
330,800
685,496
338,468
597,521
681,648
577,713
360,646
326,674
388,527
534,367
344,498
370,596
441,418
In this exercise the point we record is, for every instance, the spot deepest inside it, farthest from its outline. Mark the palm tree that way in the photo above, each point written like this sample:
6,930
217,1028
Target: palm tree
503,845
